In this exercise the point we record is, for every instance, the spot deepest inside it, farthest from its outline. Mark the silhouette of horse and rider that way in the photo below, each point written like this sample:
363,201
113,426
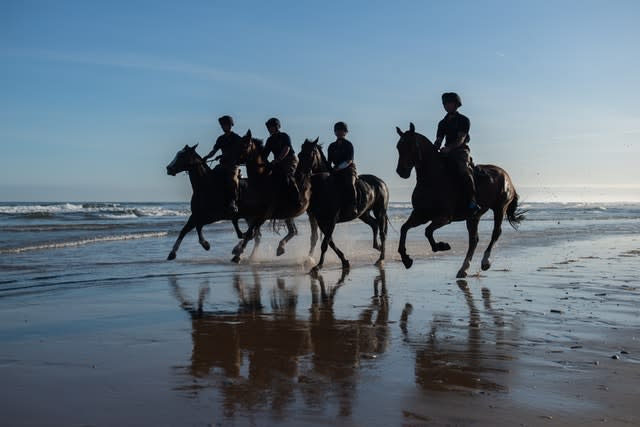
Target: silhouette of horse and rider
448,188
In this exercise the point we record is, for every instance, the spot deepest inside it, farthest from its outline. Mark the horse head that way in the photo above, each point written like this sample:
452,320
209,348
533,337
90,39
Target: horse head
185,160
310,157
412,148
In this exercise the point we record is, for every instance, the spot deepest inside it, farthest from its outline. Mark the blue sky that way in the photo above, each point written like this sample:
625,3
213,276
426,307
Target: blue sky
98,96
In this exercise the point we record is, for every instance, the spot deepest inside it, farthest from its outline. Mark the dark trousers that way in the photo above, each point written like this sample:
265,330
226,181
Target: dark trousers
460,160
347,180
285,171
231,181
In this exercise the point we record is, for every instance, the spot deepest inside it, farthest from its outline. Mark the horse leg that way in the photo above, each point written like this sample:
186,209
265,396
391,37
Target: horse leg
314,233
382,226
472,228
343,260
236,227
498,216
201,238
371,222
291,231
256,243
414,220
254,226
191,223
428,233
327,230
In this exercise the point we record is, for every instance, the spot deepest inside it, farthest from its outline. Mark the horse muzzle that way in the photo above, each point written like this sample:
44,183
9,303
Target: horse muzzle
171,171
403,172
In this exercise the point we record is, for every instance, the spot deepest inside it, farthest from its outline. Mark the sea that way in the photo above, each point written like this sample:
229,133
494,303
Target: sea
50,246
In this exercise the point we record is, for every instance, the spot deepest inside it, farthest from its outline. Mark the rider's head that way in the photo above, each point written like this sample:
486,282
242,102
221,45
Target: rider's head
273,125
340,129
226,123
451,101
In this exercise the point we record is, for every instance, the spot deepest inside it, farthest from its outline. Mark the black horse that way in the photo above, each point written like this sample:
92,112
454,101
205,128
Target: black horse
437,199
325,207
264,197
207,200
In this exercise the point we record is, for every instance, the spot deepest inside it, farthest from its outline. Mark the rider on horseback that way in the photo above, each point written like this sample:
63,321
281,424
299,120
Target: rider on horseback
454,130
228,143
340,154
285,160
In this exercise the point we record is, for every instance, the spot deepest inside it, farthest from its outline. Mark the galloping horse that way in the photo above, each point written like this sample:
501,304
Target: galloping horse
436,197
207,200
264,194
324,210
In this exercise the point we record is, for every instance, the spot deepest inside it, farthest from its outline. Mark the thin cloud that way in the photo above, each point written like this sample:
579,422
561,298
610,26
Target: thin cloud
144,62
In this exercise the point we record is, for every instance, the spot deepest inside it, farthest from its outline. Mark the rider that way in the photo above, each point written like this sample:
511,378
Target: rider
454,130
285,160
229,143
340,154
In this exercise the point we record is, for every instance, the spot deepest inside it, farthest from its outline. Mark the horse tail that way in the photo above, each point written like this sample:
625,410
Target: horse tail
515,215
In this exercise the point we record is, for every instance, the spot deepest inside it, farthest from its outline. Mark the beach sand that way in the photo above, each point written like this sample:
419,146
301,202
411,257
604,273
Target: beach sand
549,336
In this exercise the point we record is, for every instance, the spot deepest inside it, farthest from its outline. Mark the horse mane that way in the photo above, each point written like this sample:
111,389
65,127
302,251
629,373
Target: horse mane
258,143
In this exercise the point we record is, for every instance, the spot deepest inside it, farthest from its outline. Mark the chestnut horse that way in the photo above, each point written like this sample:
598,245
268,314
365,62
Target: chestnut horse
437,198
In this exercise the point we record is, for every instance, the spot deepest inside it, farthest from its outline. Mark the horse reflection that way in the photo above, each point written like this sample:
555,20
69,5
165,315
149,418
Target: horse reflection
444,363
261,359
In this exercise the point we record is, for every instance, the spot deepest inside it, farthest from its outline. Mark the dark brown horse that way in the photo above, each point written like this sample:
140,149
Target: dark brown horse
325,207
437,197
264,194
207,200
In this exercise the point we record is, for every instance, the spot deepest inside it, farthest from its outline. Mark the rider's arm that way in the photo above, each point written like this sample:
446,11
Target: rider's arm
211,153
439,135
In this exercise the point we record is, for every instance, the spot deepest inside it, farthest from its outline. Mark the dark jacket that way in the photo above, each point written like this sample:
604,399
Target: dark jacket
451,126
277,144
340,151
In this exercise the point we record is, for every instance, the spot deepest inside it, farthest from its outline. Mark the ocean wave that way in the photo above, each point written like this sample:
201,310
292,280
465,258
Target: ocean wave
91,210
81,242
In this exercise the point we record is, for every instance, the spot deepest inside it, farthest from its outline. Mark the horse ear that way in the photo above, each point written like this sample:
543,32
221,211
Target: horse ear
248,134
186,147
399,131
316,140
412,128
194,147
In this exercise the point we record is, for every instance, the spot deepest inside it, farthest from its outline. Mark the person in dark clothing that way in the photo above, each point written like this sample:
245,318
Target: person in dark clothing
285,160
340,155
229,143
454,130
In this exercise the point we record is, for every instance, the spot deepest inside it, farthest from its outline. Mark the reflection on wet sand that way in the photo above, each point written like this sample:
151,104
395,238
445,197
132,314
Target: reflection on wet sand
260,360
446,361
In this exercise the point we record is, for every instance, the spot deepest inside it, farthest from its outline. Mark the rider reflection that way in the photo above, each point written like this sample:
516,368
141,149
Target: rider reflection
259,358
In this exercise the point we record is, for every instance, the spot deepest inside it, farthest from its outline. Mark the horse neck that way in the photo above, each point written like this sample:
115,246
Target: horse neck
324,163
255,166
198,177
429,165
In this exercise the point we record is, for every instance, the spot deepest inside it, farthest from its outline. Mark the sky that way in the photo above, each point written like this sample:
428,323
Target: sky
98,96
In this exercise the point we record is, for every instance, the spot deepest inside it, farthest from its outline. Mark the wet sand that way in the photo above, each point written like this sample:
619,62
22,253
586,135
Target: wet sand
551,336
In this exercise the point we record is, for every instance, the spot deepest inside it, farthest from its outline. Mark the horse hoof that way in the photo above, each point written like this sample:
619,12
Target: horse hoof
280,251
346,265
236,259
408,262
461,274
443,246
172,256
486,265
206,245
